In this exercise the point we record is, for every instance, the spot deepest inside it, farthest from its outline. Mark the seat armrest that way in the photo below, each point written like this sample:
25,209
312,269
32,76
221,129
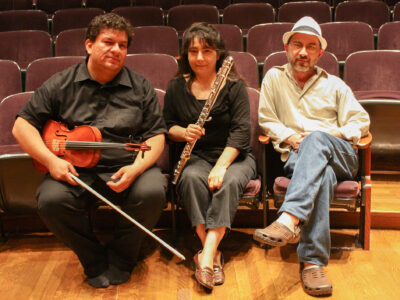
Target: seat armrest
263,139
365,142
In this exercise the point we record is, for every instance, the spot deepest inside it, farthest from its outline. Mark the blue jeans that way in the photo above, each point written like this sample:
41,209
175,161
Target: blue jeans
320,162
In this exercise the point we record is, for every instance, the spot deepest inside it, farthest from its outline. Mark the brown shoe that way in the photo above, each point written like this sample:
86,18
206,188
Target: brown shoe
314,281
219,274
205,276
277,235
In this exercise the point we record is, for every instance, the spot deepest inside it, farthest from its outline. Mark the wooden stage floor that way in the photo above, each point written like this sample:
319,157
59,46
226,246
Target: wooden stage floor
37,266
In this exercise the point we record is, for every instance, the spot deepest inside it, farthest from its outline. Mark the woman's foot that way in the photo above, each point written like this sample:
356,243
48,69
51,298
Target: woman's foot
204,274
219,274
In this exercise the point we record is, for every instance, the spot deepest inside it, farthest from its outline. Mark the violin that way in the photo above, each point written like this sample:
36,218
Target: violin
81,146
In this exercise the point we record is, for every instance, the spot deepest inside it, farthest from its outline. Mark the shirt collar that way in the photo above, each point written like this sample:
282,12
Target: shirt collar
122,77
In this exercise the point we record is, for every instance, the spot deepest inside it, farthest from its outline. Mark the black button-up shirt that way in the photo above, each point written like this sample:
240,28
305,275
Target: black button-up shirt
123,108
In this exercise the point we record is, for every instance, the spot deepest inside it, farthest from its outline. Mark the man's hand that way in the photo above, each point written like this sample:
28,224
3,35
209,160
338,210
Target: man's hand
295,139
193,132
216,177
59,169
123,178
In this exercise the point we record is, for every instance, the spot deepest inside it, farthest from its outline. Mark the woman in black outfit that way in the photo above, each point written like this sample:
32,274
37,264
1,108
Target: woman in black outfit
220,164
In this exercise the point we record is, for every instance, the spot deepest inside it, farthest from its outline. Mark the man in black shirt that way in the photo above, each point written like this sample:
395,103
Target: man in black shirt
99,92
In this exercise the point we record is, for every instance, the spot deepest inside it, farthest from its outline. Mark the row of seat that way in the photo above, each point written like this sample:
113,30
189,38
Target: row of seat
381,64
343,39
244,15
19,180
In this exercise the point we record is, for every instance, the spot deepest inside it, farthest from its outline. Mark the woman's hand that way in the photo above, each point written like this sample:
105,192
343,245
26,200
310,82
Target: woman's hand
216,177
193,132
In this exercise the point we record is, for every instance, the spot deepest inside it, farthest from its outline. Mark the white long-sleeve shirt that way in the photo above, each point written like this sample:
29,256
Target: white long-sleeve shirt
325,103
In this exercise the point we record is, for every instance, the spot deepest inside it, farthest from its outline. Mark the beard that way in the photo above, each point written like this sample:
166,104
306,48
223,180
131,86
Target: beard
301,64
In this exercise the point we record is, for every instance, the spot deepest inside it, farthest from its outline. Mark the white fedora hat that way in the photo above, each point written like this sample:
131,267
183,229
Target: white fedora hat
306,25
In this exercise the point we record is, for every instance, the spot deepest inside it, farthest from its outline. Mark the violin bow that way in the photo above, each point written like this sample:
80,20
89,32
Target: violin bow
87,187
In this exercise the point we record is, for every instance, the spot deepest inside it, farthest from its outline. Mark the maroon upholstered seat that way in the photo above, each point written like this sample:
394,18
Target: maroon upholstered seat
107,5
389,36
246,66
293,11
374,13
9,108
70,18
71,42
24,46
246,15
10,78
141,15
155,39
50,6
264,39
23,20
159,69
232,36
42,69
345,38
182,16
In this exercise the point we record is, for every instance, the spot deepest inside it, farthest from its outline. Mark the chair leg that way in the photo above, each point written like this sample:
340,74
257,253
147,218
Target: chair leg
3,234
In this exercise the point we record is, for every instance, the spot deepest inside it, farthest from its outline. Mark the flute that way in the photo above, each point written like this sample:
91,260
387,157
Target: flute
216,88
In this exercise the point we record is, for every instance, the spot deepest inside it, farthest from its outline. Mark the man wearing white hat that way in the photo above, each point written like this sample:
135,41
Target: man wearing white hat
313,119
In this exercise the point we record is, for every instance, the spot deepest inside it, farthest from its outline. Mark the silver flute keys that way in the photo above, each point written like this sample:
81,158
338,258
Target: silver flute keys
218,84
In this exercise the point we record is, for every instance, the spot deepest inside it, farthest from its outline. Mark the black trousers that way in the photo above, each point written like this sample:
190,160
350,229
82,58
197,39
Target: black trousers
63,208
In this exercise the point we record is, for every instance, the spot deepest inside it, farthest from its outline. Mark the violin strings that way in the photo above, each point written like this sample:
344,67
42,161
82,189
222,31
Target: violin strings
76,145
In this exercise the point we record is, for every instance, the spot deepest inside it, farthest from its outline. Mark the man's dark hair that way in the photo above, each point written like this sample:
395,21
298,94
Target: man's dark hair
109,21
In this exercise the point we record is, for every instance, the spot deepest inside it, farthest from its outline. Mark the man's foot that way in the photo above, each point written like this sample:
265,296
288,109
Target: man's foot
117,276
277,235
100,281
314,281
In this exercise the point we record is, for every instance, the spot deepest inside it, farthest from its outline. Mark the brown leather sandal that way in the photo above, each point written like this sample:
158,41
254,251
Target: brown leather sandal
314,281
204,276
219,274
277,235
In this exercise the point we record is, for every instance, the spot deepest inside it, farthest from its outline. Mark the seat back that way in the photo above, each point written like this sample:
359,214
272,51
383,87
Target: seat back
164,4
15,4
220,4
374,13
389,36
141,15
183,16
264,39
396,12
9,108
23,20
347,37
274,3
163,160
71,42
293,11
231,35
10,78
64,19
107,5
375,70
385,128
24,46
42,69
155,39
159,69
328,62
246,66
246,15
50,6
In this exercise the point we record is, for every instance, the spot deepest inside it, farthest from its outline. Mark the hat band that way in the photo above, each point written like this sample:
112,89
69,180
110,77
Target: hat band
306,28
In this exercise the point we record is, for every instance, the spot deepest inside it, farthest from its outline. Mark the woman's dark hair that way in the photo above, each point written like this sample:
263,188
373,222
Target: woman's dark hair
209,36
109,21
